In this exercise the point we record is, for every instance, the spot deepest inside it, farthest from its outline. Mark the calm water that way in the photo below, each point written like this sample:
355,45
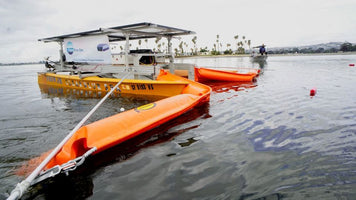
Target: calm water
266,140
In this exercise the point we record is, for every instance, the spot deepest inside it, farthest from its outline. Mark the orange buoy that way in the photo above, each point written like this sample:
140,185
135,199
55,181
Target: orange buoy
313,92
352,65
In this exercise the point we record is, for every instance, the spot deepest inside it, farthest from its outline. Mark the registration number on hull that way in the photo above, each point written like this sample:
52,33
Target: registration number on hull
139,86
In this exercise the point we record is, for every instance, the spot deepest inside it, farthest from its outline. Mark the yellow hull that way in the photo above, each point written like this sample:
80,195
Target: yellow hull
57,84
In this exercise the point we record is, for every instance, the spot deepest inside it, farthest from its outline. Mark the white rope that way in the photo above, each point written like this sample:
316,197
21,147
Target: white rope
23,186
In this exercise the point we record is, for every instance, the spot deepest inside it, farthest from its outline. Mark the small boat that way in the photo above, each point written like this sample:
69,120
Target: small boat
261,57
88,62
258,58
95,86
80,73
206,75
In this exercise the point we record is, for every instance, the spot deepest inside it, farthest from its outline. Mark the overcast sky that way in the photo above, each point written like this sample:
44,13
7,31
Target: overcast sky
276,23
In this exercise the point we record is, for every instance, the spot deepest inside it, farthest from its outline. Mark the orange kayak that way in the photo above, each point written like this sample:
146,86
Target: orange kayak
116,129
205,75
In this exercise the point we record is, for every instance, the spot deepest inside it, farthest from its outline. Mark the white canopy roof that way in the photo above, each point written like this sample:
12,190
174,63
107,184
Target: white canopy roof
134,31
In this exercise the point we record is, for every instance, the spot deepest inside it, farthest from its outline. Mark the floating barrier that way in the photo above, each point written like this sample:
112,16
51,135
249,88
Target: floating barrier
205,74
108,132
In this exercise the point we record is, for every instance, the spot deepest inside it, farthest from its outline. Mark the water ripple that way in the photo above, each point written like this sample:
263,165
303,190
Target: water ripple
266,140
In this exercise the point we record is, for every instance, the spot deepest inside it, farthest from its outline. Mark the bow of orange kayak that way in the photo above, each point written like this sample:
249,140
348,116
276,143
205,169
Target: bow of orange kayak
111,131
116,129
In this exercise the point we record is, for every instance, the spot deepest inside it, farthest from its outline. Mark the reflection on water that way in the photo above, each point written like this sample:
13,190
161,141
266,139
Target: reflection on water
188,143
220,87
76,186
264,140
260,61
79,185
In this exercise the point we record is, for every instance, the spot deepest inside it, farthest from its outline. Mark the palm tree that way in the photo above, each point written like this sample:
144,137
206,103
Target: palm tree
241,49
236,37
139,43
181,47
146,43
217,41
194,40
186,45
157,40
163,43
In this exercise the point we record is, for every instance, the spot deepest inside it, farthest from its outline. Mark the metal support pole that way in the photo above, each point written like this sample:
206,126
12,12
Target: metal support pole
127,50
171,57
61,55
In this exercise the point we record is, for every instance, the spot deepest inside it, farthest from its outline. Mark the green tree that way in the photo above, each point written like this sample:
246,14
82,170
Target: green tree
181,47
347,46
236,37
146,41
194,40
204,50
139,43
249,44
217,41
163,44
240,50
156,41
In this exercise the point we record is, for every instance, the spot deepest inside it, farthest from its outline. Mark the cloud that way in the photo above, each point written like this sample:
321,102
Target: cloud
273,22
21,24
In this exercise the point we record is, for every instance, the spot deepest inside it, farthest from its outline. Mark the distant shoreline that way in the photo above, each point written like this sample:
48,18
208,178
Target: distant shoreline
218,56
271,55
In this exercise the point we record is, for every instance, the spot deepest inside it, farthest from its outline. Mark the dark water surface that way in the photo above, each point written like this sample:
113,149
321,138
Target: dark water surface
265,140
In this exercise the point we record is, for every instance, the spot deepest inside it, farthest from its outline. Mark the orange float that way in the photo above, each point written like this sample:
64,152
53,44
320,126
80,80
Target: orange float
205,75
313,92
116,129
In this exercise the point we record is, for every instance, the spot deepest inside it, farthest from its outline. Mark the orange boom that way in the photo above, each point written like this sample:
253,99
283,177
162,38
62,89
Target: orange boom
116,129
204,75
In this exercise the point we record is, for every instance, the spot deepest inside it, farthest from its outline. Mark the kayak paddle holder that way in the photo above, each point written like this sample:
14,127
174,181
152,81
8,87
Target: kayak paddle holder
64,168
